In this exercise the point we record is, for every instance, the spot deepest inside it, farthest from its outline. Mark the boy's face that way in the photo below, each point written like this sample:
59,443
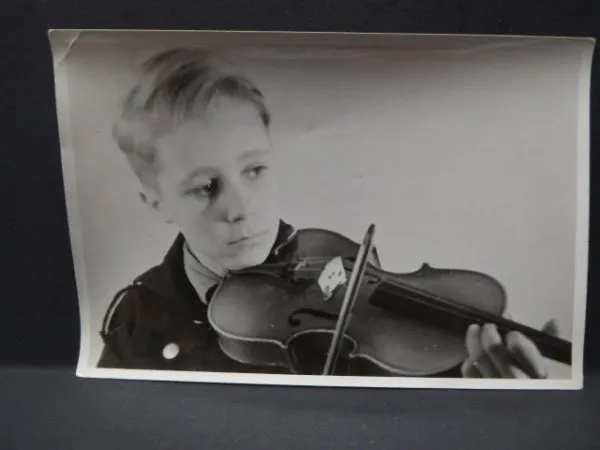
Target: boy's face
218,185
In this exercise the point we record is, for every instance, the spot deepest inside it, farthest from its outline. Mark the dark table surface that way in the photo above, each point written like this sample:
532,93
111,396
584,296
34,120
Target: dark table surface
53,409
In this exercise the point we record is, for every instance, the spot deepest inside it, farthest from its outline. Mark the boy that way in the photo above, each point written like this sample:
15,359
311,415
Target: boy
197,136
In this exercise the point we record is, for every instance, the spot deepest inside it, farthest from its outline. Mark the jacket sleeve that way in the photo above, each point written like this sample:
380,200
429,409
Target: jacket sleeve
128,332
118,320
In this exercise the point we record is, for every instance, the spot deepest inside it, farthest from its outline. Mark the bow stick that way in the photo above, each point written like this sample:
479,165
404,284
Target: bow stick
349,299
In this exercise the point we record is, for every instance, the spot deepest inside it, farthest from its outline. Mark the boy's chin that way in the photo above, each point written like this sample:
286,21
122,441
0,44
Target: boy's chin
248,259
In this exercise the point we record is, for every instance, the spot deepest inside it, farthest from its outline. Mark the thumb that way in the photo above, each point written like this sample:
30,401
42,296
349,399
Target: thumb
551,328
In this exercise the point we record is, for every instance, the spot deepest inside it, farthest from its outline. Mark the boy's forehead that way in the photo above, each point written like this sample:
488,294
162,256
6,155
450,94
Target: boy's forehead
230,131
222,117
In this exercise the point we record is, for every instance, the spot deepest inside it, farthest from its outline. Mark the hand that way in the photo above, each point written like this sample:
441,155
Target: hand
490,357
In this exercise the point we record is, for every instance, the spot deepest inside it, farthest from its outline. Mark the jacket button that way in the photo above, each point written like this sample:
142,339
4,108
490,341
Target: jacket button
170,350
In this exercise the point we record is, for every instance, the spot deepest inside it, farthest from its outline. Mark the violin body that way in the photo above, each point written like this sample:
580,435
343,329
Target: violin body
261,312
402,324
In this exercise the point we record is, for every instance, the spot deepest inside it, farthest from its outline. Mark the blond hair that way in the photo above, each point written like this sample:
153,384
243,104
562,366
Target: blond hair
174,86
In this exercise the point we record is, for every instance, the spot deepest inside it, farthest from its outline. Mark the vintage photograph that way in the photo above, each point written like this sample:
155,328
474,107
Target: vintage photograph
327,209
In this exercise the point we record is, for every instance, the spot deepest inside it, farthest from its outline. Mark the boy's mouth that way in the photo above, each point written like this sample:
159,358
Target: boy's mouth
249,239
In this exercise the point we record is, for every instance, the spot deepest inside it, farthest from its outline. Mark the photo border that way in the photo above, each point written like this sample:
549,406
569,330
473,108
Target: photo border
62,40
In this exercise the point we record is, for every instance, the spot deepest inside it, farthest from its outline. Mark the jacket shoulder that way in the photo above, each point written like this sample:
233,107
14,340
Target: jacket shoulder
139,322
125,304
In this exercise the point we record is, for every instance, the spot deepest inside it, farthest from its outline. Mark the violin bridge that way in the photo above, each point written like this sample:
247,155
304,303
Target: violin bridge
332,277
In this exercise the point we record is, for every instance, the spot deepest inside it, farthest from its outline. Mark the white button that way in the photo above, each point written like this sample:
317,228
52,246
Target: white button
170,351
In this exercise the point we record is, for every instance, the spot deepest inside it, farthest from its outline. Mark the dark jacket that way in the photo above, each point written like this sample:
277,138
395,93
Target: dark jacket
161,307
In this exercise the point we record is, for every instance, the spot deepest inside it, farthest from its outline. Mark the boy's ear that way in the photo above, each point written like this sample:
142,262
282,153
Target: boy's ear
151,199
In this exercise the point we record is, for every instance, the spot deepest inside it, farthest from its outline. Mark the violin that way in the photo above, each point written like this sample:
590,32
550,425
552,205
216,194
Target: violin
329,290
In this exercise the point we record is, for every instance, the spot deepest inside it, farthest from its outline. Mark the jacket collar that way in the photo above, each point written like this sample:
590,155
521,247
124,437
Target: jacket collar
170,280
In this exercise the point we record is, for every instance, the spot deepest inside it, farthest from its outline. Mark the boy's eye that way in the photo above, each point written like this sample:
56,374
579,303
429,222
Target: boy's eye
256,171
204,190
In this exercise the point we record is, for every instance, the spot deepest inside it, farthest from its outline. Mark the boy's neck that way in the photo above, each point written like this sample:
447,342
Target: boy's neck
206,263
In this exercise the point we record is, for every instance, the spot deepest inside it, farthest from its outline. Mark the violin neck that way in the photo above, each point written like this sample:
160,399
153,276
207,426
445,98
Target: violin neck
452,315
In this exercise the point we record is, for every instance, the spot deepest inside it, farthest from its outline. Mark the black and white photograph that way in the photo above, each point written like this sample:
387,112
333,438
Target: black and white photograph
327,209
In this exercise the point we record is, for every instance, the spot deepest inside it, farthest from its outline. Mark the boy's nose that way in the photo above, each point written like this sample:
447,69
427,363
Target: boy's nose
235,205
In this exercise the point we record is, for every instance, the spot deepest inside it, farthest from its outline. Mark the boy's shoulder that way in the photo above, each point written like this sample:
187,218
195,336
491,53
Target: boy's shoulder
162,284
157,308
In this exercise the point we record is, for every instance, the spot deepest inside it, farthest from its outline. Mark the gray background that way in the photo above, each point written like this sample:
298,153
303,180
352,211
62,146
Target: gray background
43,404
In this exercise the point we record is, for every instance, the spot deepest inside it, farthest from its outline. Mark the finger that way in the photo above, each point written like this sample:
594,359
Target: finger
472,367
527,354
468,369
517,372
551,328
479,362
494,347
473,341
487,368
